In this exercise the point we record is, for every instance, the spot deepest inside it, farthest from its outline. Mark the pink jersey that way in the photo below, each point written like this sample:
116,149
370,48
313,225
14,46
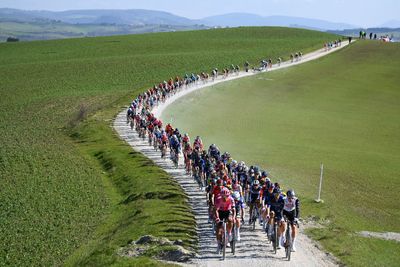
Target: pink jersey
224,205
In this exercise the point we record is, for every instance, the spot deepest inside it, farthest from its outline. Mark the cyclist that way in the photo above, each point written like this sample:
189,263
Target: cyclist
279,61
174,144
267,193
239,209
291,210
198,143
213,151
246,66
254,197
168,129
186,138
209,196
224,209
178,134
187,154
276,205
163,142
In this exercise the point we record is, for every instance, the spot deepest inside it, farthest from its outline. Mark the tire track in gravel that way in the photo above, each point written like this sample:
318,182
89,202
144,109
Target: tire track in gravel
253,249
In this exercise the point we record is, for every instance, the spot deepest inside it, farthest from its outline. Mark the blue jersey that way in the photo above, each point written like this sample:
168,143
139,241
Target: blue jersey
277,206
239,205
254,193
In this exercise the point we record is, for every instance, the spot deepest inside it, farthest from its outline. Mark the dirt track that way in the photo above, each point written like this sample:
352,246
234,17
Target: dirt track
253,249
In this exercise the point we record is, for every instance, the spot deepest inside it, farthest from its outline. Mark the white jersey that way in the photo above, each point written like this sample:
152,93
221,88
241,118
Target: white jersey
290,204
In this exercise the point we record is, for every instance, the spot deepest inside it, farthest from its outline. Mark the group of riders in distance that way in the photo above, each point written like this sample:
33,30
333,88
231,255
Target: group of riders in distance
231,187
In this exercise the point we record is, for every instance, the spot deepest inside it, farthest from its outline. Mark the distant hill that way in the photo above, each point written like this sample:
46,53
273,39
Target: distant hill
38,24
246,19
43,25
391,24
144,17
130,17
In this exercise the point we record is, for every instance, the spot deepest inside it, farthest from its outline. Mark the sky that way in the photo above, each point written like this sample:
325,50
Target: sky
364,13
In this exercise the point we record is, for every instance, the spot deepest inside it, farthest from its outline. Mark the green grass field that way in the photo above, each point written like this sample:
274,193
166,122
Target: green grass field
342,110
72,192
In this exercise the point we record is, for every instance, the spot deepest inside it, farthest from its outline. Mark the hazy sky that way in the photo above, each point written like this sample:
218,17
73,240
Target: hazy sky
357,12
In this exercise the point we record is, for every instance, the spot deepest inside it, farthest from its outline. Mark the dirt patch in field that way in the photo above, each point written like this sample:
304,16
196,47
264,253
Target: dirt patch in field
385,235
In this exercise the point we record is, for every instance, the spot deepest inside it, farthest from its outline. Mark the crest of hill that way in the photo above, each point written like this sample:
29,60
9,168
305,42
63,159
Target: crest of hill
247,19
130,17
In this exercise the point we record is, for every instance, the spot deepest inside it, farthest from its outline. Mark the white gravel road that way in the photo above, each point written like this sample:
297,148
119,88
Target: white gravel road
253,249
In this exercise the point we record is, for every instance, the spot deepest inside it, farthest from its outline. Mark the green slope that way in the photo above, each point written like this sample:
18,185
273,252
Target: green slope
68,187
342,110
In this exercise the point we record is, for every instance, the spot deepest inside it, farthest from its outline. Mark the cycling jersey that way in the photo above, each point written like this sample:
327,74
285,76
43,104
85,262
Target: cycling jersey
291,208
222,204
254,193
276,205
239,205
164,138
267,197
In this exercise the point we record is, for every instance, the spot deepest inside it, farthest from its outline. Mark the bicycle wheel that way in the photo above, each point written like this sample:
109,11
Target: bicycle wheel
224,241
253,218
233,242
275,241
288,243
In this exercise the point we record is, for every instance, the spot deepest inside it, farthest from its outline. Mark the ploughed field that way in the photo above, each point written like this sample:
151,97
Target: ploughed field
342,110
71,191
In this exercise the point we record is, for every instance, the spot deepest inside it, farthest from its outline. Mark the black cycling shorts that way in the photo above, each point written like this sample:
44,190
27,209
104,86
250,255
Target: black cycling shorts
254,198
224,214
290,215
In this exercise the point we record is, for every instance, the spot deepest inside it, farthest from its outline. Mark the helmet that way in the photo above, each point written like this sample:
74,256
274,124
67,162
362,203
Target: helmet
290,193
277,190
219,182
225,192
186,134
236,195
264,174
256,182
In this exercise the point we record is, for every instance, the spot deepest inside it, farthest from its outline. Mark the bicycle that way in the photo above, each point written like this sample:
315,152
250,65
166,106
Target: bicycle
289,241
155,143
224,239
254,215
233,242
273,233
275,239
163,148
150,137
175,157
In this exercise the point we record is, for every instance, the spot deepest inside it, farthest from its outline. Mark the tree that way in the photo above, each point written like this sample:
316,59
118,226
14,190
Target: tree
12,39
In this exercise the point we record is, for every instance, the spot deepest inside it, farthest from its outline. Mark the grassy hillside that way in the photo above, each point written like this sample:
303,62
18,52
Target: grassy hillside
68,185
342,110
